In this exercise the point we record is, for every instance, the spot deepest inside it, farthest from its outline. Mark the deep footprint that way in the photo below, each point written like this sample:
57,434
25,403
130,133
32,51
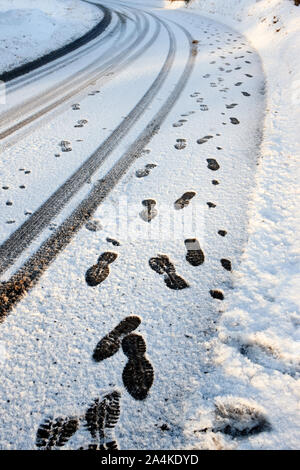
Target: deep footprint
240,419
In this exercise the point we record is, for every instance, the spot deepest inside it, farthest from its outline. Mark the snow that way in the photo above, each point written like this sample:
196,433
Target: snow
217,365
32,28
263,310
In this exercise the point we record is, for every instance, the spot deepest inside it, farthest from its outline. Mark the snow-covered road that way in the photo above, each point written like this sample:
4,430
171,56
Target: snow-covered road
144,216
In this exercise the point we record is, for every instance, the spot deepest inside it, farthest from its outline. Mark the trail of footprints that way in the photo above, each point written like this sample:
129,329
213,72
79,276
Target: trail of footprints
102,416
65,147
99,419
138,375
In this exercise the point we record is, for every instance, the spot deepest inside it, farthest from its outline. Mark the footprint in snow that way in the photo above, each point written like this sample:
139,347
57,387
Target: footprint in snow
100,420
212,164
226,263
65,146
113,241
217,294
76,106
110,343
195,255
204,139
267,355
162,265
142,172
138,374
231,106
203,107
55,433
245,93
181,144
150,212
188,113
179,123
184,200
239,418
234,120
81,123
222,233
93,225
100,271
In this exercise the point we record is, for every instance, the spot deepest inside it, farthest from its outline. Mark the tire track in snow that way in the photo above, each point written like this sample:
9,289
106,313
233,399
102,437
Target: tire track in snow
112,65
20,239
12,290
89,36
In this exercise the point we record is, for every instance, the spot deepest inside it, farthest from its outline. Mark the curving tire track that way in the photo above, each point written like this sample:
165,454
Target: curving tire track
35,64
14,289
86,77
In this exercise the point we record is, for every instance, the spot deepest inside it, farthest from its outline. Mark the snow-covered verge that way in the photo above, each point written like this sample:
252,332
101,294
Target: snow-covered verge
32,28
259,328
